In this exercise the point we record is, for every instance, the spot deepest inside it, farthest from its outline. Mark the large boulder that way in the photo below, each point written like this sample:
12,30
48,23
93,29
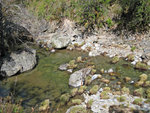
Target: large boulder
77,78
60,40
20,61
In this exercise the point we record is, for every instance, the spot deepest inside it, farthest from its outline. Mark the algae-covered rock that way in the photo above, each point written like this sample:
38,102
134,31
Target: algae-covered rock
77,109
94,89
142,66
106,89
115,60
139,83
102,71
104,95
82,89
127,79
74,92
105,80
64,98
72,64
44,105
88,80
147,84
143,77
138,92
89,103
125,90
121,98
137,101
130,57
76,101
93,71
79,59
148,93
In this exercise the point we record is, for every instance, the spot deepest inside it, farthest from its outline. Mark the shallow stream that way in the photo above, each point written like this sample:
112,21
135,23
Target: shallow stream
45,81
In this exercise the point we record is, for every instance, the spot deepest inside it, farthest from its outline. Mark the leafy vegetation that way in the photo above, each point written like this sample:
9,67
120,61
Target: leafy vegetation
133,15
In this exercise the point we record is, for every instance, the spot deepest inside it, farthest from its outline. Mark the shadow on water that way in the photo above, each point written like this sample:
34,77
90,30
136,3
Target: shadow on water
46,81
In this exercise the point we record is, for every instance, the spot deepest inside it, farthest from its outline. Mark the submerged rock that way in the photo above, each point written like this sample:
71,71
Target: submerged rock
77,78
63,67
20,61
77,109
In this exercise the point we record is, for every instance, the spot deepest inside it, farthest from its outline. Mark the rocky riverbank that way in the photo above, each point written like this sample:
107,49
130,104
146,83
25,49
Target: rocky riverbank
108,94
97,43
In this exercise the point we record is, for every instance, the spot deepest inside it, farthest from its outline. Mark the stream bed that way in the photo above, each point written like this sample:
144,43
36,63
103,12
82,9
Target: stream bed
46,81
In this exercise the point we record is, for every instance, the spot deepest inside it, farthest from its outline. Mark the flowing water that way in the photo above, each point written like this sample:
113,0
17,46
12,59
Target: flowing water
45,81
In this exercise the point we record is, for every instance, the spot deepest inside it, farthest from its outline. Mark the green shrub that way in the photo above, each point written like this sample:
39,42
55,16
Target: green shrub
136,14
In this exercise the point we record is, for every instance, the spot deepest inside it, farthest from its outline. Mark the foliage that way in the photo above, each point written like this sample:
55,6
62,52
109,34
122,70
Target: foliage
135,14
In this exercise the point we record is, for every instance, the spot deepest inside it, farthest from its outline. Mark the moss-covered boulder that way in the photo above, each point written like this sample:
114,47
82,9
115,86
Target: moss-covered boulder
104,95
94,89
76,101
137,101
141,66
82,89
74,92
138,92
115,59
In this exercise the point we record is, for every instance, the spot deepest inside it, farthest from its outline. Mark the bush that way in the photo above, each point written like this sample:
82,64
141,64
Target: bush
135,14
